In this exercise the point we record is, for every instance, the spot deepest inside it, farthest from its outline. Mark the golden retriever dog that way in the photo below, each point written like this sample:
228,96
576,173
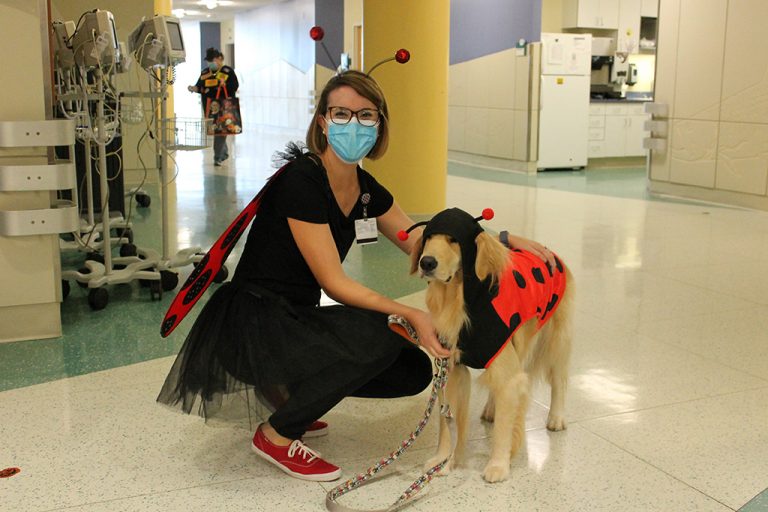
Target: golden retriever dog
539,346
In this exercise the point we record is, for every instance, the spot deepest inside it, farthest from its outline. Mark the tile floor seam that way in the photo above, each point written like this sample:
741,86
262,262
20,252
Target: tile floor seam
720,292
706,358
671,404
223,482
639,458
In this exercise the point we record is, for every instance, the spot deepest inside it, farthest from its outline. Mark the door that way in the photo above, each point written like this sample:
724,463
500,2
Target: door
563,121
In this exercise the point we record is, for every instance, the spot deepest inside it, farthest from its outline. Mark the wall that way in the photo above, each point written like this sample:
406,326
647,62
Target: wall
714,77
551,15
489,85
275,64
353,15
127,16
210,37
29,265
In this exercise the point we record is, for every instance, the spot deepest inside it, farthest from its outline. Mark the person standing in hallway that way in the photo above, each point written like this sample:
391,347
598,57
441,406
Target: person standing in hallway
213,77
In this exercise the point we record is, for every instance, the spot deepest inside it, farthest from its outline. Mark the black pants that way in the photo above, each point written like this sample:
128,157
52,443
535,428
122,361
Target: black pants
408,374
220,152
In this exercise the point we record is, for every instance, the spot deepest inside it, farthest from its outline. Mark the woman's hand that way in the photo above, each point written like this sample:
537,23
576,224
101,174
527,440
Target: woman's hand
422,322
192,88
518,242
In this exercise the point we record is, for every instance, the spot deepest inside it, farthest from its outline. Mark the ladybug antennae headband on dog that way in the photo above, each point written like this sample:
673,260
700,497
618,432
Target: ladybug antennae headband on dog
317,34
403,234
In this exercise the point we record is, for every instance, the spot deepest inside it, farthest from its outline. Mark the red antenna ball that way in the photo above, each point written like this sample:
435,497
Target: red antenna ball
402,55
402,235
488,213
317,33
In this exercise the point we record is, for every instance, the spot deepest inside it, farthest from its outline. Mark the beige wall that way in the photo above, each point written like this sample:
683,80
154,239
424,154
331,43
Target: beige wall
551,15
29,265
714,77
488,106
353,15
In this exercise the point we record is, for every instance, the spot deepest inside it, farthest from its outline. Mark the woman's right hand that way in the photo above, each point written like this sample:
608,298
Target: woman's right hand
422,322
192,88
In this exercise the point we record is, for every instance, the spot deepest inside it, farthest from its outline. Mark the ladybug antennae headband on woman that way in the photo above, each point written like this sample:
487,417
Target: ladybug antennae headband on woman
317,34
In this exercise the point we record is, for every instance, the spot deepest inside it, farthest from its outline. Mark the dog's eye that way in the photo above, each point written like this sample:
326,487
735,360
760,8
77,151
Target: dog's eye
451,240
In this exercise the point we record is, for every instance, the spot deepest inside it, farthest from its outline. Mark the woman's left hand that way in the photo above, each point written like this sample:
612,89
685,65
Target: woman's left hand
518,242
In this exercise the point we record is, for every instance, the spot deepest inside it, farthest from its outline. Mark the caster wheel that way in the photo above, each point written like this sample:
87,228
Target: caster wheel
144,200
144,283
83,270
65,289
221,275
127,233
168,280
128,250
95,256
98,298
155,290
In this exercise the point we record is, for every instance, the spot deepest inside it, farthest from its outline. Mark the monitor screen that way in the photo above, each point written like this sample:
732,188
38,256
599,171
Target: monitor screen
174,32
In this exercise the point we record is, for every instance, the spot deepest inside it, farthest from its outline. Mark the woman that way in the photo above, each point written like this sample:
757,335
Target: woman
214,77
265,329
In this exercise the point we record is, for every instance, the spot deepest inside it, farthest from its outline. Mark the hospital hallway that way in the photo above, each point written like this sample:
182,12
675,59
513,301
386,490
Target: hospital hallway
667,404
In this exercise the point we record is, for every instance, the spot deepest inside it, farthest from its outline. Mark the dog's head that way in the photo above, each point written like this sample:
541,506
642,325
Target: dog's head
454,248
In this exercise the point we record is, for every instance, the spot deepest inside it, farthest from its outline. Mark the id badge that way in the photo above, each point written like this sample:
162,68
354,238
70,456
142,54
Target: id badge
366,231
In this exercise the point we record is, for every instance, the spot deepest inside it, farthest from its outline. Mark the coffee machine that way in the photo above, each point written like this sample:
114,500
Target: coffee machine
611,73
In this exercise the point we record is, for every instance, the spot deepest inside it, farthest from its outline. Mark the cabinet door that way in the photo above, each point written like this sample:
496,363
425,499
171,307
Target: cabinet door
609,14
629,26
635,134
650,9
615,136
589,14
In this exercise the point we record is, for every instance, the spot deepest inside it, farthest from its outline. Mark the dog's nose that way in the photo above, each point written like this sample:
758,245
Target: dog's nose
428,263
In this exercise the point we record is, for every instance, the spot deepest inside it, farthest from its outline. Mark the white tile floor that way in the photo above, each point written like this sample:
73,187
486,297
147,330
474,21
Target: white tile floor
668,403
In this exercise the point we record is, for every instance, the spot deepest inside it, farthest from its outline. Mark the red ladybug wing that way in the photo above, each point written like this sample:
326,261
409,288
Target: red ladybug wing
202,276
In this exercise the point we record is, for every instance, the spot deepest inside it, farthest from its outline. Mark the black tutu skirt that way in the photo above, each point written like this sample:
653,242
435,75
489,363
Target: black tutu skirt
248,339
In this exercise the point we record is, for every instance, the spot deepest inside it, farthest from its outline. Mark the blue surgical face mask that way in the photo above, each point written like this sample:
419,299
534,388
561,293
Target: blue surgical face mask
351,141
213,66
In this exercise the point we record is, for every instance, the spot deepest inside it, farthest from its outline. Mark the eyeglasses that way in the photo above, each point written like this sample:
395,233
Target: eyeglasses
343,115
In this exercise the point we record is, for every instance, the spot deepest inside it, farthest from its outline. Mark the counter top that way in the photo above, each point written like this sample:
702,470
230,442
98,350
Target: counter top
620,100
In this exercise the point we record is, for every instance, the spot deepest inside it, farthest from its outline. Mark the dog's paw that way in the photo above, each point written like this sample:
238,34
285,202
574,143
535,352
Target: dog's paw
496,471
434,461
556,422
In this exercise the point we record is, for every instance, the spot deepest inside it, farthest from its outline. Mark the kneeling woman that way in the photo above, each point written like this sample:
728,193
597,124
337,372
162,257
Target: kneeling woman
265,330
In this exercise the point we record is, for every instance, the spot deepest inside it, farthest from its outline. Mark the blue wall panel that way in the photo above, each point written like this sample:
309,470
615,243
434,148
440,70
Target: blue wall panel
483,27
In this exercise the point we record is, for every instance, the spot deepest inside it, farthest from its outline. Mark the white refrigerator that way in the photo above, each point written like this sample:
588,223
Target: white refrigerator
566,64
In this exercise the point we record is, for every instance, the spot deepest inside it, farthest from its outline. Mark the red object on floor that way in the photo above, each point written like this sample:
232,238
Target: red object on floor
9,472
296,459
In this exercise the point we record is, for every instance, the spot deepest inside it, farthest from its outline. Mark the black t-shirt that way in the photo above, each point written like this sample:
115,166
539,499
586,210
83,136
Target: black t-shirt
271,257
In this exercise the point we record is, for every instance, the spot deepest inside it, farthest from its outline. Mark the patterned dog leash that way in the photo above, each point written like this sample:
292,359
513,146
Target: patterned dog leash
401,326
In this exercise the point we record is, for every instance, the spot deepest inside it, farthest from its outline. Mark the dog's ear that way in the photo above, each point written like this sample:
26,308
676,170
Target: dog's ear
416,251
492,257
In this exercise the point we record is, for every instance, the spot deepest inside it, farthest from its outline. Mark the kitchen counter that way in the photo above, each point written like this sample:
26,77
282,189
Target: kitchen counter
621,100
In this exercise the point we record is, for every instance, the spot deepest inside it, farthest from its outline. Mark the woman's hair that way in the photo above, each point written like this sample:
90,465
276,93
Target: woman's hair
366,87
211,53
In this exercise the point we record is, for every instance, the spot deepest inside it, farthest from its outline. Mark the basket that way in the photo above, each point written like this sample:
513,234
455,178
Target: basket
187,134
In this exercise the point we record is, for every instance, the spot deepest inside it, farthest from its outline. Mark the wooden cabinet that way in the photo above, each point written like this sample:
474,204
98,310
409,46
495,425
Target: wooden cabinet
616,130
602,14
628,34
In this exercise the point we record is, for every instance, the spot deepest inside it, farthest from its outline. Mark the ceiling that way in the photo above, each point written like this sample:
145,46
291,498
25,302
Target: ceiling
224,9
